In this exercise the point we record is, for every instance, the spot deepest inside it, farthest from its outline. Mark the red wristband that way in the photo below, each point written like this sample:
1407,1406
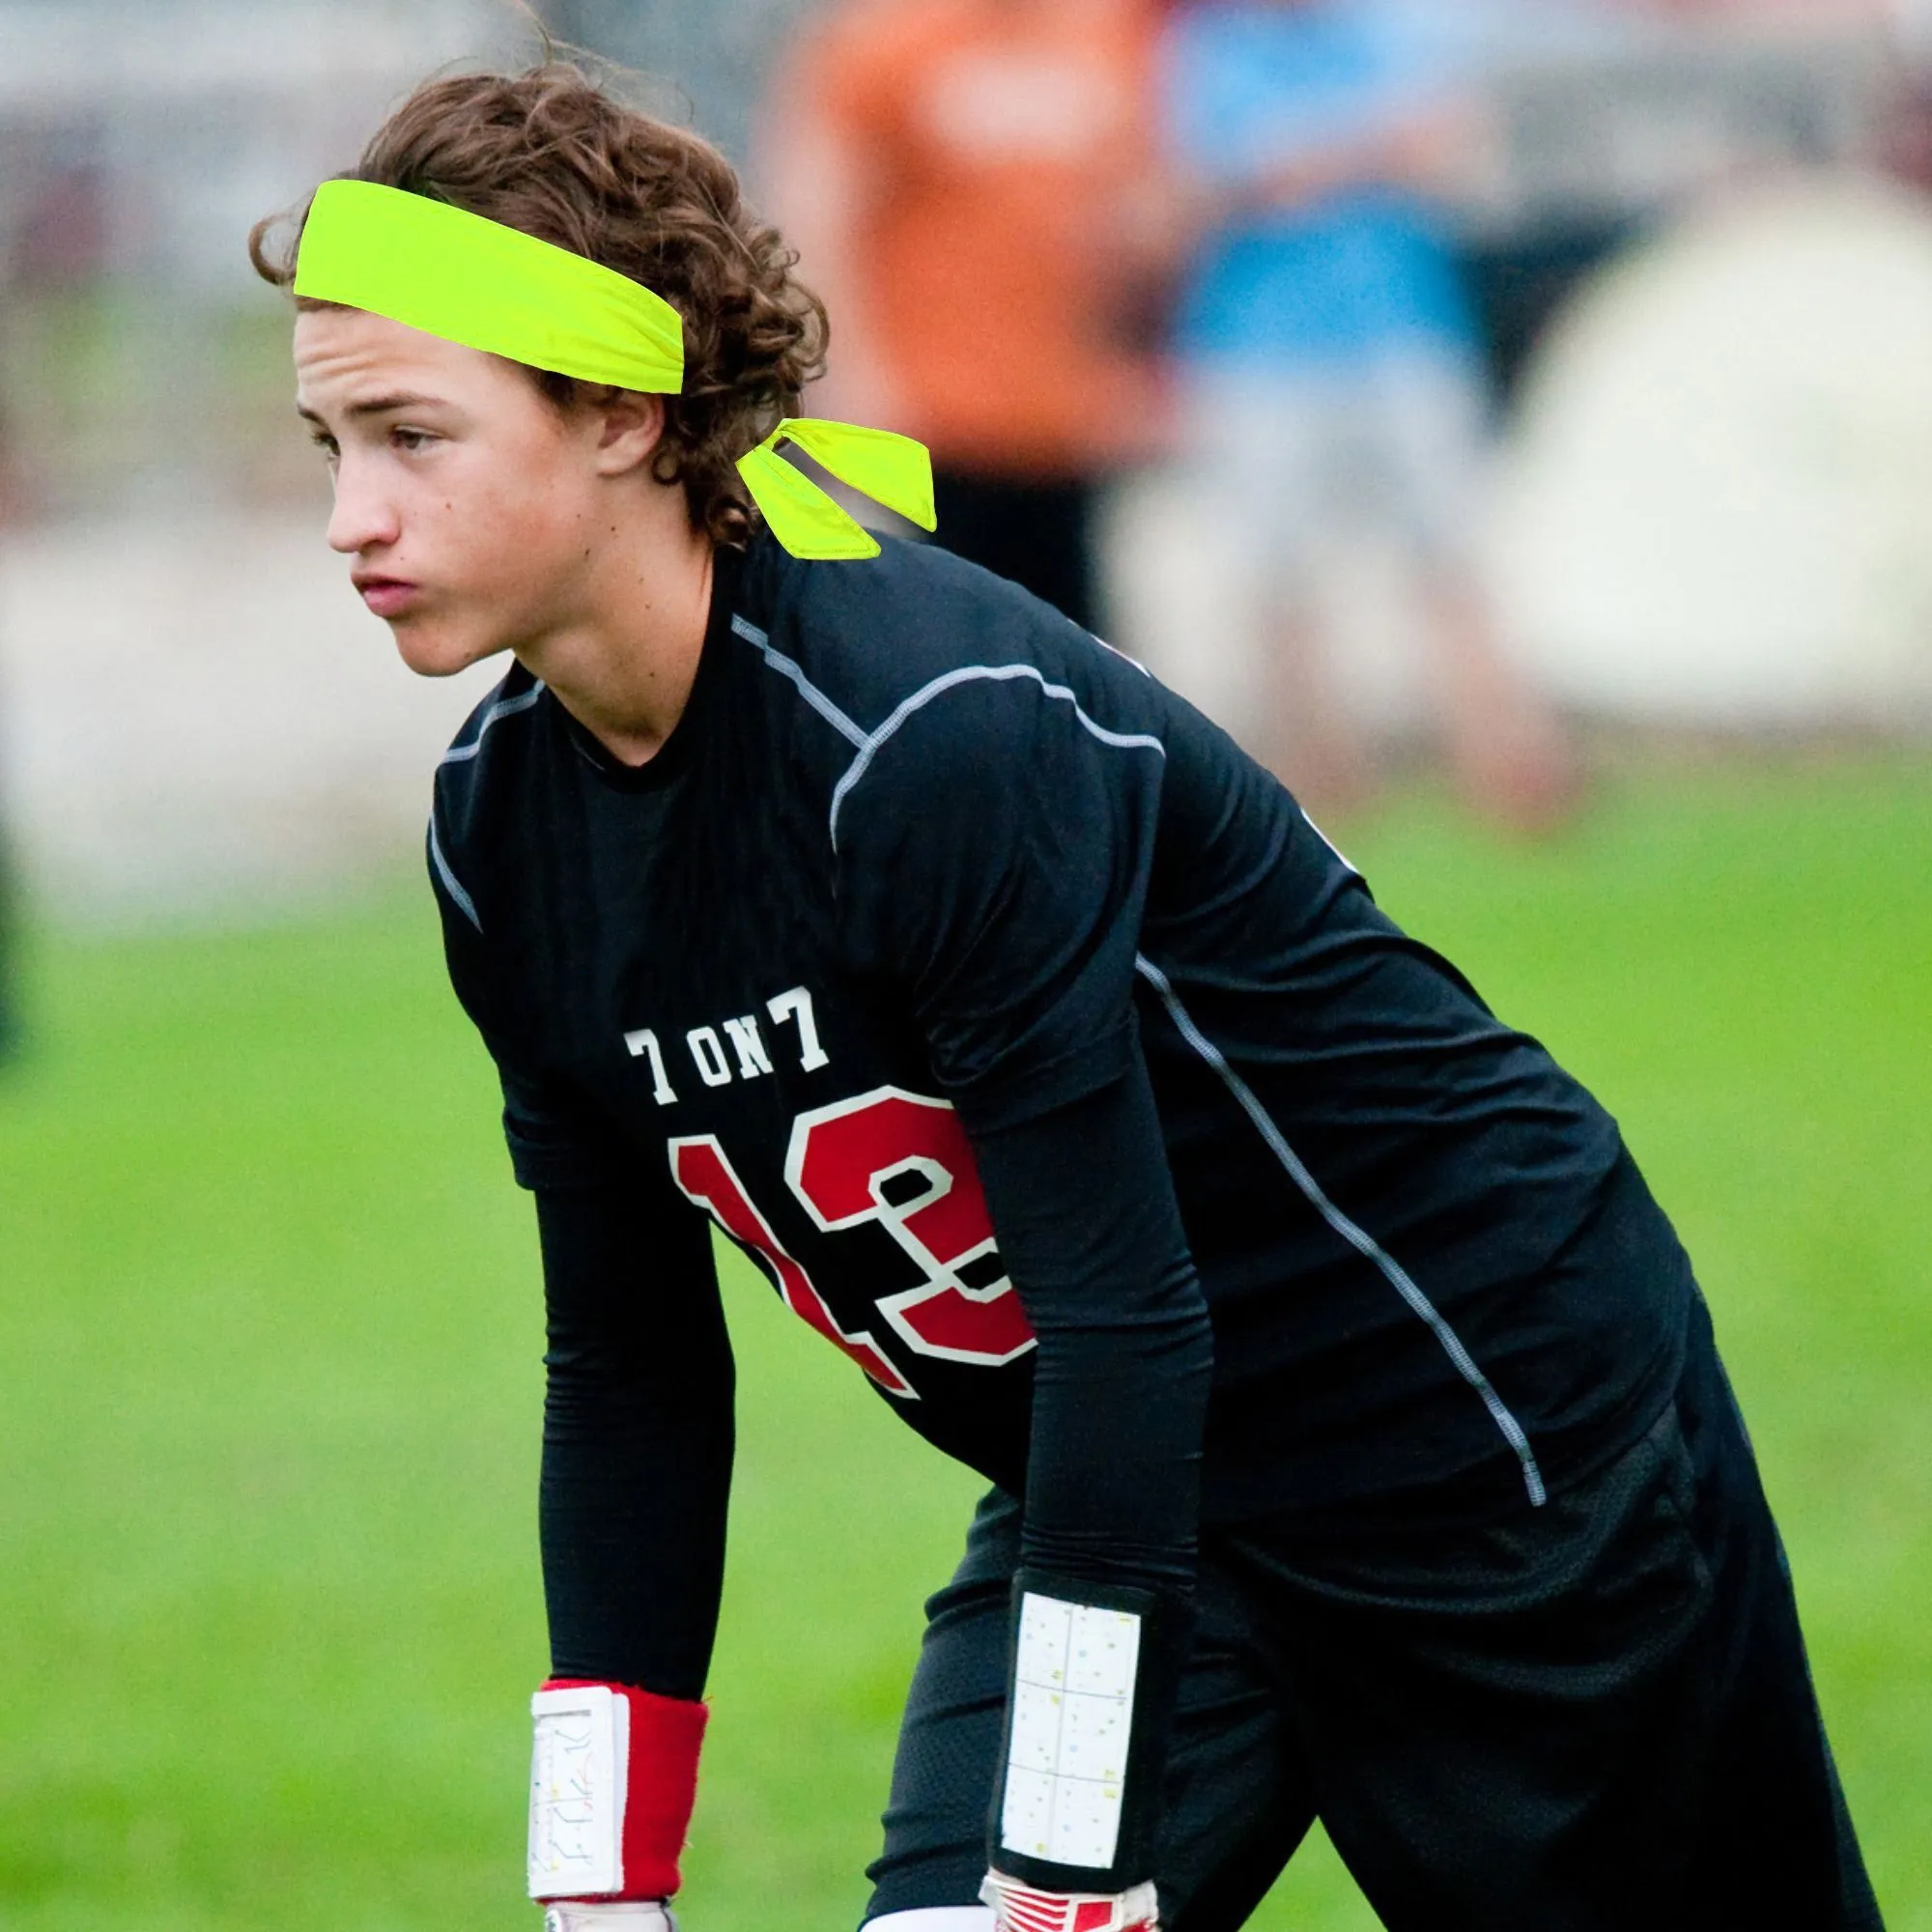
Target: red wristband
659,1779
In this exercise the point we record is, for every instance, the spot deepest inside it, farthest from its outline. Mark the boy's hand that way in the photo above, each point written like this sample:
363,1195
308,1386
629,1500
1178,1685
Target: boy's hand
1018,1906
628,1915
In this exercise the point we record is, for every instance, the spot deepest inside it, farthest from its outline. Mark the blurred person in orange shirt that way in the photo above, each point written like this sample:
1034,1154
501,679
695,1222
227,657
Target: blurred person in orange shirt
972,188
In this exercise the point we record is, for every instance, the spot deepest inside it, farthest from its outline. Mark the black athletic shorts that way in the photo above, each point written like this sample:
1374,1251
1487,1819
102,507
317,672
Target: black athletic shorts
1595,1714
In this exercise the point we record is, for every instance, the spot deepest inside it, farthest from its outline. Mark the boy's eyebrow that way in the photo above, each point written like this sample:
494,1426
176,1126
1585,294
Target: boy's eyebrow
375,406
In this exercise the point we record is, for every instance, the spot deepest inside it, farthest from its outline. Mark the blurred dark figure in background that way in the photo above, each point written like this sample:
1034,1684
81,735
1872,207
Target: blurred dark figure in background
963,180
1332,374
1519,284
1520,275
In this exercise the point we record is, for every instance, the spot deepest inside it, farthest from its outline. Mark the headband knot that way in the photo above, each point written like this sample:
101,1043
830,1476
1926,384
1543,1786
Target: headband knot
892,470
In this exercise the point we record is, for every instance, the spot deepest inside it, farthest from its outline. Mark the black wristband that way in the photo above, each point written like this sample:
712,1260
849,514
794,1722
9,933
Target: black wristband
1091,1677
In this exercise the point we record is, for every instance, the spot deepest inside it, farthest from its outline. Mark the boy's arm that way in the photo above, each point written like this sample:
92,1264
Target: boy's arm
1084,1207
637,1440
636,1471
637,1468
995,853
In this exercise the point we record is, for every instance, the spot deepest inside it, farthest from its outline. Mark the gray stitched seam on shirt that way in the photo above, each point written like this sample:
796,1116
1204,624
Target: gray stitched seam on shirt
967,674
509,707
451,884
1357,1237
810,691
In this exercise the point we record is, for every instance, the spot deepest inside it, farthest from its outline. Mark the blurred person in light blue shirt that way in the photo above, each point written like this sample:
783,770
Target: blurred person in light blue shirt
1321,105
1332,369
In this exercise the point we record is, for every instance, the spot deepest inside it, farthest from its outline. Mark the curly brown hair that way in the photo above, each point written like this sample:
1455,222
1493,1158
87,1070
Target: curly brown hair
551,151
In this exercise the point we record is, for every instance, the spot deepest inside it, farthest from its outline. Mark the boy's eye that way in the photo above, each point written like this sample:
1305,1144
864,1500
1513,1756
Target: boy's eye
417,438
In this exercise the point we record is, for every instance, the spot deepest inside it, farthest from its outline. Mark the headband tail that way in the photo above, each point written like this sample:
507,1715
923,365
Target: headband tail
890,469
803,518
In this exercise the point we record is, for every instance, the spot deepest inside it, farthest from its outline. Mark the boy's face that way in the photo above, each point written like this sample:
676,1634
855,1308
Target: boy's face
474,491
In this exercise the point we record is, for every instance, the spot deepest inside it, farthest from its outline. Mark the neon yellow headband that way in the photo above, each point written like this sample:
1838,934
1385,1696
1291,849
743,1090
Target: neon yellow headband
469,279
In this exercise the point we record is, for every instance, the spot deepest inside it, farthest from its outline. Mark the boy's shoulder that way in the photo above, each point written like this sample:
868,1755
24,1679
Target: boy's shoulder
875,635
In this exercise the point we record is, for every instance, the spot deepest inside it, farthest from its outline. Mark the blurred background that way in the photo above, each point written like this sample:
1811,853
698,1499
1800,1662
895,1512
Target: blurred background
1510,419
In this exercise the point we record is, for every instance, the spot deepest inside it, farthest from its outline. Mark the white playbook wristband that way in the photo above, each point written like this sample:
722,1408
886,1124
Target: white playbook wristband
1069,1727
580,1764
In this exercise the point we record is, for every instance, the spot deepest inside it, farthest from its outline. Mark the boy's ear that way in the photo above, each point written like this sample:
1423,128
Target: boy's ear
633,421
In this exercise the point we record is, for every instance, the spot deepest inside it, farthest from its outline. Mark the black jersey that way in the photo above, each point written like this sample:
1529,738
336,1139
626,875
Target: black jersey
921,862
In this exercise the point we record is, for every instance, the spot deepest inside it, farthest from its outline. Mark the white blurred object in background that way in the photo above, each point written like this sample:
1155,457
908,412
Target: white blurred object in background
1716,502
1717,506
202,715
196,710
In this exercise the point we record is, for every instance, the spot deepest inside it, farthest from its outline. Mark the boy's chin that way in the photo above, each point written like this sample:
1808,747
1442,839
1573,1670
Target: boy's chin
432,652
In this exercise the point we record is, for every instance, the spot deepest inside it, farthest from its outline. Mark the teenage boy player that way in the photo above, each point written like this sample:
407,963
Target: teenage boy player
1356,1441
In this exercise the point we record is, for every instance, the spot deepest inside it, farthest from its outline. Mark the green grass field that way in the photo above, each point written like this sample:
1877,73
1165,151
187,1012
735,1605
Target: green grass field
269,1328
